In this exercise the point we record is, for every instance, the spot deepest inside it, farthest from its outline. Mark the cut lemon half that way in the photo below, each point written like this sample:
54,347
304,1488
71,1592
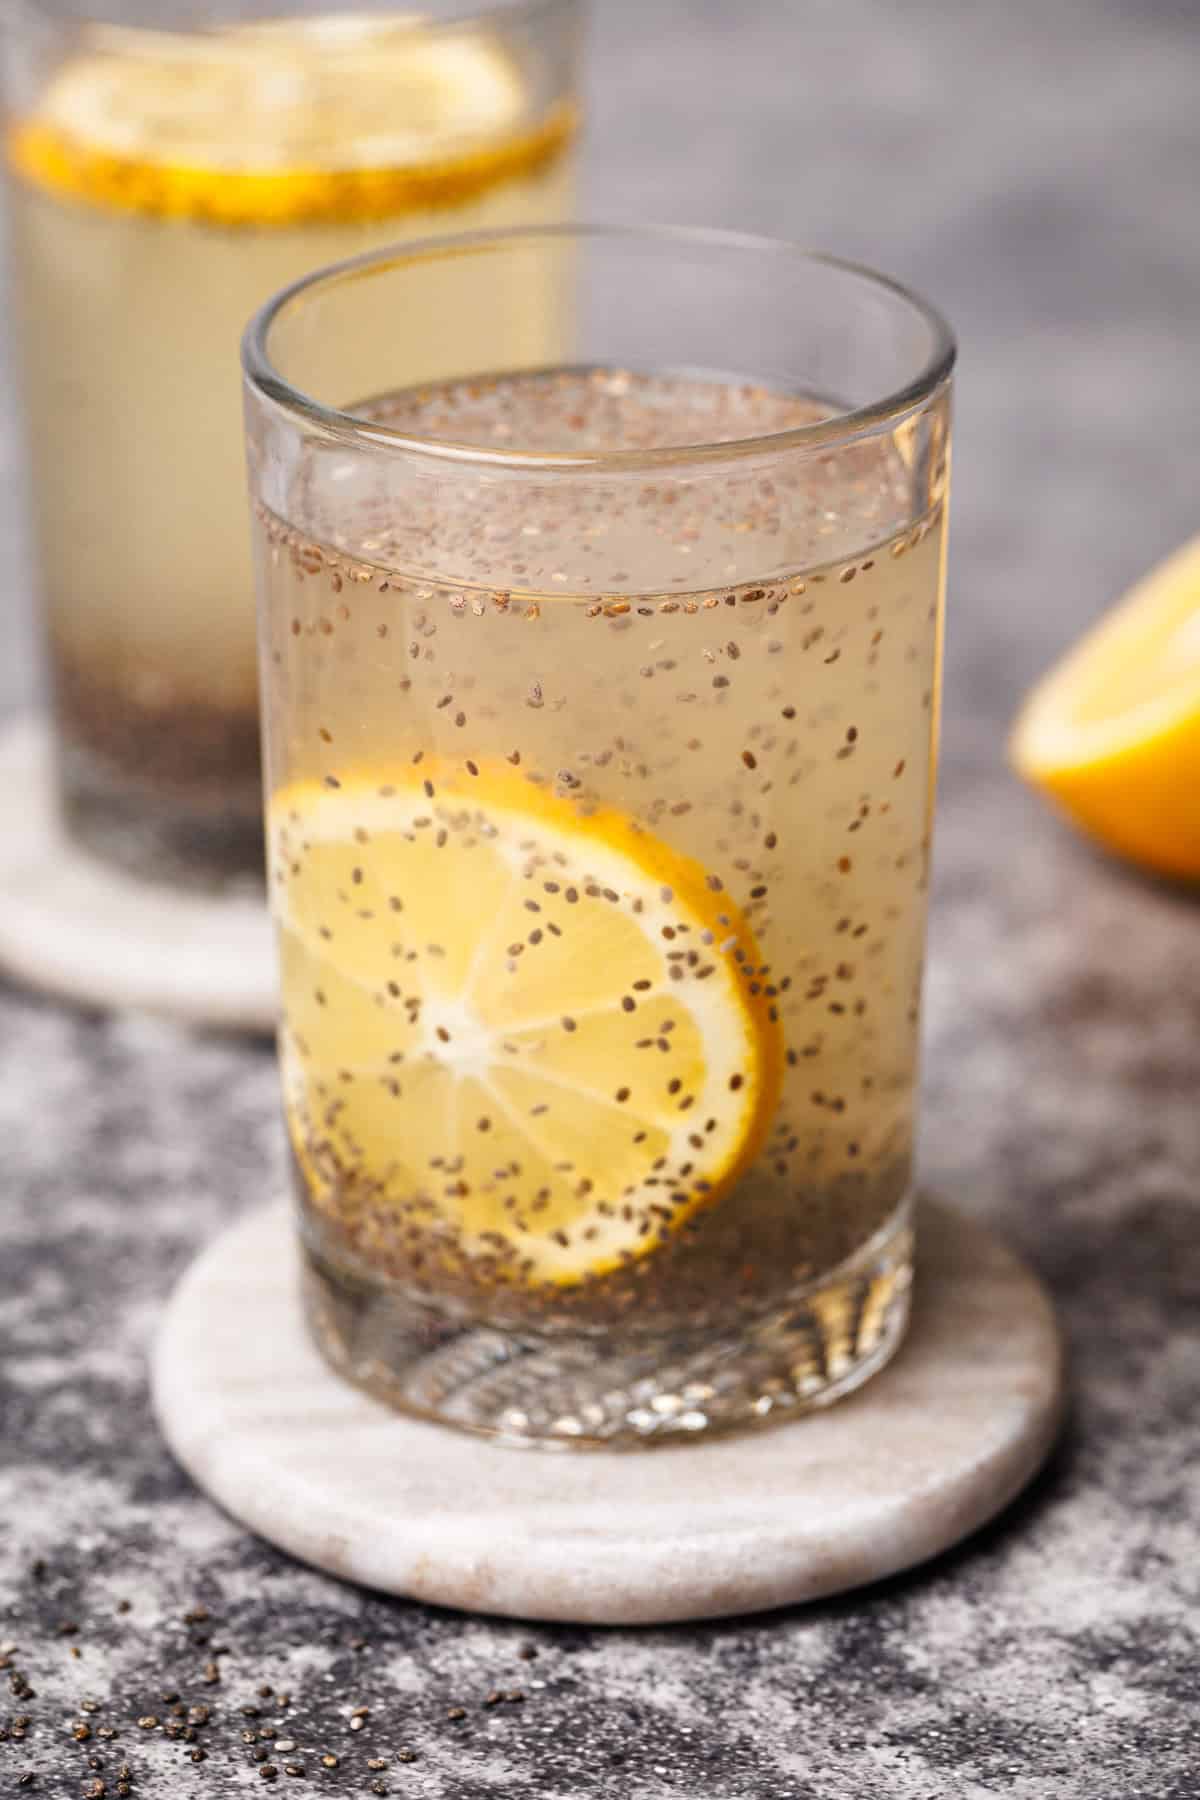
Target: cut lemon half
519,1040
1112,735
329,119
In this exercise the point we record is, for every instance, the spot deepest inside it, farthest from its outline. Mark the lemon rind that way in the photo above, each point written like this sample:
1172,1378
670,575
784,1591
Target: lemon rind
49,158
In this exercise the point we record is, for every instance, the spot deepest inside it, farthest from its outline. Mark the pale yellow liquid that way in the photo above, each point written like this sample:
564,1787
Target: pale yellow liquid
752,677
131,303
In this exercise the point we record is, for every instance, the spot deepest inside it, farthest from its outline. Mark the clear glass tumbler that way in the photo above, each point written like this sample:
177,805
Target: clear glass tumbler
600,700
170,167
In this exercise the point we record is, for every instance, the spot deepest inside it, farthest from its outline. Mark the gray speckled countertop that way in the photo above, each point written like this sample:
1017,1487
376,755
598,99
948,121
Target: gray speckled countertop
1035,168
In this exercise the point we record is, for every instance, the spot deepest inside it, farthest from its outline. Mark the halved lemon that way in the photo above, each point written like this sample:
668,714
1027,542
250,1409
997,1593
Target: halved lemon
328,119
1112,735
519,1038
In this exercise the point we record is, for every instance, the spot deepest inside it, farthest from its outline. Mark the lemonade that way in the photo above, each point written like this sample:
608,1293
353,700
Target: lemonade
162,186
601,905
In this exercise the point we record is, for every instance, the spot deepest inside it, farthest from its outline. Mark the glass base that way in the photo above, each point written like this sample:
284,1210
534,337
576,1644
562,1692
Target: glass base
581,1392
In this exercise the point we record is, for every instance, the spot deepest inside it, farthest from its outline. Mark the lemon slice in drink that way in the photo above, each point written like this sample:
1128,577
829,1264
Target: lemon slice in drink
520,1040
1112,735
282,123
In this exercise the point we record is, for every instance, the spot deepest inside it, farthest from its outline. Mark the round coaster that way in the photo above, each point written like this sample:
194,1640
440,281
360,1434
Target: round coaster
73,926
923,1454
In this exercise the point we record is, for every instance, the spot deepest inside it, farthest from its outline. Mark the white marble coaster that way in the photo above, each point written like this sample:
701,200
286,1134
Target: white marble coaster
919,1457
73,926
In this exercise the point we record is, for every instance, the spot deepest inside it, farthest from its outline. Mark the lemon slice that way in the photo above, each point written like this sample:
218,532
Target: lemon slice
336,118
1112,735
521,1042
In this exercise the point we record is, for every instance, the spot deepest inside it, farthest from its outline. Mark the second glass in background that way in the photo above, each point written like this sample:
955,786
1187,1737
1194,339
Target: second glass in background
164,181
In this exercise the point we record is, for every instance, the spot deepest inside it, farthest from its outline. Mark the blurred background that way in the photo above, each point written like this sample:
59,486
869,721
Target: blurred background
1033,168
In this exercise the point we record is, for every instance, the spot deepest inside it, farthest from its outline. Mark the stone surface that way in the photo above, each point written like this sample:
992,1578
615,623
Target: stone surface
1034,167
927,1452
73,927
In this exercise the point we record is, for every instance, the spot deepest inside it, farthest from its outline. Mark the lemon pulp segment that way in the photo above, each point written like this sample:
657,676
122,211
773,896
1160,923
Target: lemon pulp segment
514,1034
1112,735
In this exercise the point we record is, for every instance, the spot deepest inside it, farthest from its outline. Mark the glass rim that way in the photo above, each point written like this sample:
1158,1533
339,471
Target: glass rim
479,12
838,428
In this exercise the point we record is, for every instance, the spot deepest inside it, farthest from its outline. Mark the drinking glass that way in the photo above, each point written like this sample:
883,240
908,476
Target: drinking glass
600,700
170,167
